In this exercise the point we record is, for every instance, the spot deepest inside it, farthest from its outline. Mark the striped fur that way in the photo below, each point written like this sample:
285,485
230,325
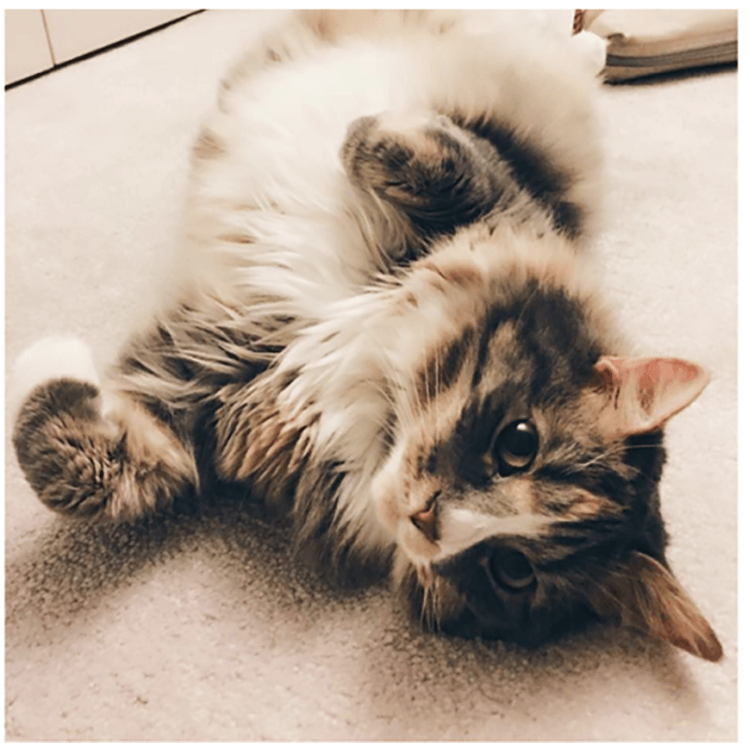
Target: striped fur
387,330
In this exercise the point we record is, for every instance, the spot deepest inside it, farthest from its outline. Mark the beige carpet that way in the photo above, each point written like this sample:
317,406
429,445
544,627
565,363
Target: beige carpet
205,629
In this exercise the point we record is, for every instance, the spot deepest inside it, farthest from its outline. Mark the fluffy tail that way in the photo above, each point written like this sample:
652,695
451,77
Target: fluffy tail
87,453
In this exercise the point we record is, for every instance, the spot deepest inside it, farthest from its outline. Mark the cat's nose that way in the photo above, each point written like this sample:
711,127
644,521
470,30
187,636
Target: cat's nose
425,520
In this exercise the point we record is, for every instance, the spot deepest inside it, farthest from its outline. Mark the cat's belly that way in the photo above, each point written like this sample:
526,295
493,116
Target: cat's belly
271,212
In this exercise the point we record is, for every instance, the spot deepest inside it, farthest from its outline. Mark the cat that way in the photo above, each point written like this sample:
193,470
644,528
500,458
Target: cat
390,332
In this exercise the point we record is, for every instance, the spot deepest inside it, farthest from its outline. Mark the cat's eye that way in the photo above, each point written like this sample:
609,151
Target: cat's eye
511,569
516,446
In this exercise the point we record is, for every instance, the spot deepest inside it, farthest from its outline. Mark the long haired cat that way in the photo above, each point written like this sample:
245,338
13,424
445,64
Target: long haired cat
388,332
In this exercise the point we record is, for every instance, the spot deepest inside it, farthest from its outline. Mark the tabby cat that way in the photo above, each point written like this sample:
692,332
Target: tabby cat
389,333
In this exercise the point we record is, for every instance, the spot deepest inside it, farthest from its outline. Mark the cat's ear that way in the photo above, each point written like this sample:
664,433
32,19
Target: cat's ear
641,394
644,594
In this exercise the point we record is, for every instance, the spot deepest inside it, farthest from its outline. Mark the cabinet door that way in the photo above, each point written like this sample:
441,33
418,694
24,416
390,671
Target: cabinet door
76,32
26,48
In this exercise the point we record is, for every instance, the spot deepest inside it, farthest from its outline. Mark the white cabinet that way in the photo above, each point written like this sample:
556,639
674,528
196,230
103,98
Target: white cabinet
36,40
73,33
26,47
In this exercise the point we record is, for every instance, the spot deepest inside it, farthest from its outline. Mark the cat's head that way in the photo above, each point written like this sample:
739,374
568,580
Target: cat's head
521,483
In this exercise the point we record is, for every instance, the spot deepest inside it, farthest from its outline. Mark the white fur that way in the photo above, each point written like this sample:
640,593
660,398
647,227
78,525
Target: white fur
55,357
461,528
593,49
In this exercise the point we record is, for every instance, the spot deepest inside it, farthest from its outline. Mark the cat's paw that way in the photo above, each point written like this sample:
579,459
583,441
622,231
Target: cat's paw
436,172
56,357
403,158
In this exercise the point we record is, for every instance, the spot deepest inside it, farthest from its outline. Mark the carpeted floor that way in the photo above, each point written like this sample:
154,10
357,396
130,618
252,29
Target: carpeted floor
205,628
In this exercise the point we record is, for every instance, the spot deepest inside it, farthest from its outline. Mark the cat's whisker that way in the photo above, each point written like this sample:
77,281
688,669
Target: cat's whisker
590,462
382,388
429,612
435,607
397,395
528,302
438,375
425,617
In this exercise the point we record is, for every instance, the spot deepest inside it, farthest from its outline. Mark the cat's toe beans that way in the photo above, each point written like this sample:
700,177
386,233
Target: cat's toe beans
56,357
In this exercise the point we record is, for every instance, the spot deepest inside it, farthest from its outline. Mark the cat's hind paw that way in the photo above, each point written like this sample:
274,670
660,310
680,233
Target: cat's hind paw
100,456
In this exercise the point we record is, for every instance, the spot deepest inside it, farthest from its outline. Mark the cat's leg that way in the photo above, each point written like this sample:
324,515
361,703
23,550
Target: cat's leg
439,174
89,452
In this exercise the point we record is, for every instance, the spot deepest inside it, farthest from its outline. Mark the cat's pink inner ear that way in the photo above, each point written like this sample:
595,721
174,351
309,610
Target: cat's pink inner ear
643,393
643,593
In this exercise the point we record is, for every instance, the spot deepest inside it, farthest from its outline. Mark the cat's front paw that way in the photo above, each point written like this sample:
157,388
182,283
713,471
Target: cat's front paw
434,171
408,159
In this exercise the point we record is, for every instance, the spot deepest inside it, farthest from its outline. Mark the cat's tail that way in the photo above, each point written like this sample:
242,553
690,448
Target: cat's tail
87,452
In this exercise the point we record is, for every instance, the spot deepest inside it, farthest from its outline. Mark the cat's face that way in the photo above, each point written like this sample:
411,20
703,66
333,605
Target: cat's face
521,485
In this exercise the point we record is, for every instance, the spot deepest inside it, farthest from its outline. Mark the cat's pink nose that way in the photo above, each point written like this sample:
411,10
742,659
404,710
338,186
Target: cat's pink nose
426,520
